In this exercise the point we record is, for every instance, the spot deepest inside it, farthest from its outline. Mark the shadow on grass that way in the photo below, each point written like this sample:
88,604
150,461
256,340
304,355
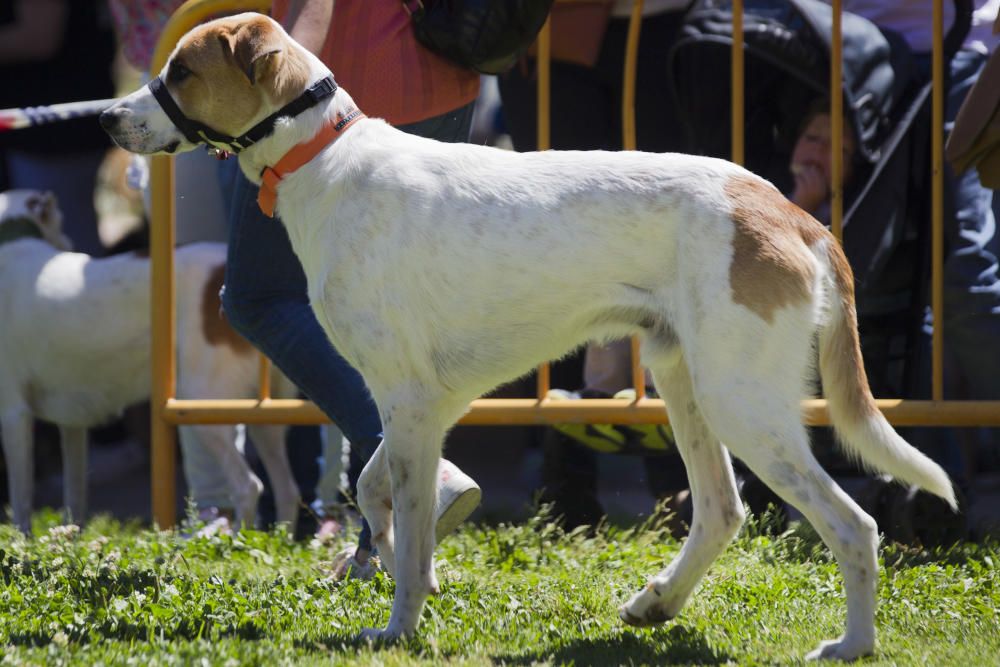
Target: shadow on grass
675,645
902,555
120,631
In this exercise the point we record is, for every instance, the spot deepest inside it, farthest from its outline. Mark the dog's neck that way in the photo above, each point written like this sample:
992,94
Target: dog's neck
291,131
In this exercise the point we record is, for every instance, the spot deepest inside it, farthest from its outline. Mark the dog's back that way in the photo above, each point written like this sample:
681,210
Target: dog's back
75,344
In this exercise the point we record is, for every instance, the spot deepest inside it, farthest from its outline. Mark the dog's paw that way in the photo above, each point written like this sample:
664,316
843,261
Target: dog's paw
841,649
647,607
378,636
653,616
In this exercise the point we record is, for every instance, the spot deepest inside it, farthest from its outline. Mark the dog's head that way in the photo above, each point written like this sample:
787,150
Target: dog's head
32,213
223,78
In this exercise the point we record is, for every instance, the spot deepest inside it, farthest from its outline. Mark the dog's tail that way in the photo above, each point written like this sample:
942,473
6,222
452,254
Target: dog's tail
862,429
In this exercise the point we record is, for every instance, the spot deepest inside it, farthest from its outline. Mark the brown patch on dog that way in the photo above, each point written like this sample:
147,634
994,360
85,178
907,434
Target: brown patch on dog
213,321
772,267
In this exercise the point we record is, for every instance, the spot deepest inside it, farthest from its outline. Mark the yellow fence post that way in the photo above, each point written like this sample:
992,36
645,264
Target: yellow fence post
836,126
736,85
161,251
937,202
543,62
630,143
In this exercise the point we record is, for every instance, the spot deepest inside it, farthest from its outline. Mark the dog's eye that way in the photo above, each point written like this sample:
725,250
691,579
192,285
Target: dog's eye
178,72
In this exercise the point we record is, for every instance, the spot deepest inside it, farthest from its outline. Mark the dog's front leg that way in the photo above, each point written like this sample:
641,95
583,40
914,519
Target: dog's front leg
269,440
413,436
18,446
73,440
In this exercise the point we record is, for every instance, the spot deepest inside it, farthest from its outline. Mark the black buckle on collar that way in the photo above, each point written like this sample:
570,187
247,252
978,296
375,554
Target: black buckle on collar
199,133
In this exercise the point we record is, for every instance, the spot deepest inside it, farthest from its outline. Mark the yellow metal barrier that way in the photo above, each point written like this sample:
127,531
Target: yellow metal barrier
169,411
161,252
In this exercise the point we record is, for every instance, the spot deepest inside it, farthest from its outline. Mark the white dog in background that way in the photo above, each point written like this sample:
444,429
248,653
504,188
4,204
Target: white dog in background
74,351
441,270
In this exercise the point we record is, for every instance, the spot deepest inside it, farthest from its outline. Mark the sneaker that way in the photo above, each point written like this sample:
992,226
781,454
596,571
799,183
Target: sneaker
215,521
346,565
599,437
458,496
656,437
614,438
329,528
331,521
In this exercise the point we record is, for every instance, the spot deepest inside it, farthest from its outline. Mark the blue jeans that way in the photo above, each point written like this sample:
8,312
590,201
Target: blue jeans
266,300
971,312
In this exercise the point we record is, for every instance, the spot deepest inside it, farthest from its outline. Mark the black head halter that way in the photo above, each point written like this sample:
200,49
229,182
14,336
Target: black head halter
199,133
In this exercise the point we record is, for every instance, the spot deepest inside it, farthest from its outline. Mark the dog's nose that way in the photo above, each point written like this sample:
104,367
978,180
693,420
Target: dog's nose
108,119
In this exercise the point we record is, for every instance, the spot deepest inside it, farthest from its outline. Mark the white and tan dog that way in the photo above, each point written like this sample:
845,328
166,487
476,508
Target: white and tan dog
74,350
441,270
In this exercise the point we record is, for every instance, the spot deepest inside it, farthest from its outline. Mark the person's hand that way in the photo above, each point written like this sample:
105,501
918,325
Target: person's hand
812,187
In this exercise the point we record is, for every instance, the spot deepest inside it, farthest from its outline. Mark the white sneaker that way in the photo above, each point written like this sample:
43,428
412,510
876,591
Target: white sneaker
458,496
346,565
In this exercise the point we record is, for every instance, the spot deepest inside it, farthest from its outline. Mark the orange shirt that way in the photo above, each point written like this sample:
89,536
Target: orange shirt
374,55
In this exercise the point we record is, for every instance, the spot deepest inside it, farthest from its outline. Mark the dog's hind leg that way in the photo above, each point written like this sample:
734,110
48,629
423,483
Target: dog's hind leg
269,439
16,424
414,432
73,441
718,511
768,435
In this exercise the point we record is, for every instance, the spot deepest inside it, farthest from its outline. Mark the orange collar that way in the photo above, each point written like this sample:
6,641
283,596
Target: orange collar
300,154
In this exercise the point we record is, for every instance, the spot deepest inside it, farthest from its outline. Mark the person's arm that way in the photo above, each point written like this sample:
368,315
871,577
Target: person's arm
37,31
308,22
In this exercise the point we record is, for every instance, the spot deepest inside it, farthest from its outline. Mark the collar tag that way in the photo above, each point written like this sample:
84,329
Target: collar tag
218,153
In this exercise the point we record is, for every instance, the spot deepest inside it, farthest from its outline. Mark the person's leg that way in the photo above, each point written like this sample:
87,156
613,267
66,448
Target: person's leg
265,299
207,486
971,274
569,481
328,488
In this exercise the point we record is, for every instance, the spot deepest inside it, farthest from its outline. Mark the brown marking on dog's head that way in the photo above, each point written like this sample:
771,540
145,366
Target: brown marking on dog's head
230,73
214,324
772,267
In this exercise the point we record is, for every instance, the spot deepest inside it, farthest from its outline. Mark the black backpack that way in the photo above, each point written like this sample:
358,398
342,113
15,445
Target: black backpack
485,35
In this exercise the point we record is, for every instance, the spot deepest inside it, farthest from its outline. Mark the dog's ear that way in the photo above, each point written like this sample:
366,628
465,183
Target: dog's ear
256,48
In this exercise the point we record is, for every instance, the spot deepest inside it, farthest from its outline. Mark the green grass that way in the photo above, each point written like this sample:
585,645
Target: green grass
518,595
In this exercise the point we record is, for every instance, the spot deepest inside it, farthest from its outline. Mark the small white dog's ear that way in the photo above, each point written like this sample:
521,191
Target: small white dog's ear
256,47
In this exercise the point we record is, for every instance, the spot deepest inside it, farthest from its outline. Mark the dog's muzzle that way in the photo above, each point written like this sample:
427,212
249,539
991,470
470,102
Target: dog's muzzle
198,133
